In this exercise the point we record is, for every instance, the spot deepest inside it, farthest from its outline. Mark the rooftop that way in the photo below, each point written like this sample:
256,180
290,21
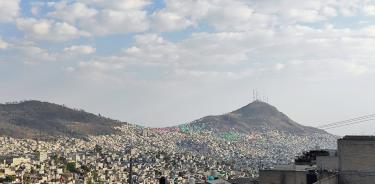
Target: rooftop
359,138
290,168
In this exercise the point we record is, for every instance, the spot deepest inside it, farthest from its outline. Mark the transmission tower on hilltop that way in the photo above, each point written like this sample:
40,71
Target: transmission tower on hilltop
259,97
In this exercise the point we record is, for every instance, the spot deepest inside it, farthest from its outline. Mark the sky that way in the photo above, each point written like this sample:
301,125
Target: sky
166,62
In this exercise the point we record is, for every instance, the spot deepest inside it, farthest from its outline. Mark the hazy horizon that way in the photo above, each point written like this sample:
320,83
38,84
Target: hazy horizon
166,62
168,124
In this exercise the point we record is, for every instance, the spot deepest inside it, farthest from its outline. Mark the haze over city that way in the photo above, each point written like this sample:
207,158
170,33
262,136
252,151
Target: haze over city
162,63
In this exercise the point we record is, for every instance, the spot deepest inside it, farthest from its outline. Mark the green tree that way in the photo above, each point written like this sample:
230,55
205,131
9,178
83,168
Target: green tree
98,148
71,167
7,179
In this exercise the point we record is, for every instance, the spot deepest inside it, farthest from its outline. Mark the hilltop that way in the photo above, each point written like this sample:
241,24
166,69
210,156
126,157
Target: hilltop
35,119
256,116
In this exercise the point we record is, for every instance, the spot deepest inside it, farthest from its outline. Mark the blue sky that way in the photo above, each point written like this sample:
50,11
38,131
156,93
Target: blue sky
165,62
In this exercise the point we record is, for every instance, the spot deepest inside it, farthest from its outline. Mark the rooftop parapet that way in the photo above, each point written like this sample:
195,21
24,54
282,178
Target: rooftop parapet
359,138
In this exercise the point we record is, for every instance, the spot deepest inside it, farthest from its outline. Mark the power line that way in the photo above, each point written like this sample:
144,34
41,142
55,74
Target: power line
347,121
352,123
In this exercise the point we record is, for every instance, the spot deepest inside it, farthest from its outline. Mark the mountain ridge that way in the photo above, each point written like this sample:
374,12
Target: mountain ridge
254,116
35,119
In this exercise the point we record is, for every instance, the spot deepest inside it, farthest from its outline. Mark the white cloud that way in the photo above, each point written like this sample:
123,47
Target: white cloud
294,11
104,17
279,66
32,54
228,15
3,44
298,15
35,10
356,68
350,8
214,75
102,66
110,21
80,49
168,21
369,10
72,12
329,11
118,4
222,14
179,14
185,58
45,29
241,15
9,9
200,49
69,69
244,33
290,50
36,7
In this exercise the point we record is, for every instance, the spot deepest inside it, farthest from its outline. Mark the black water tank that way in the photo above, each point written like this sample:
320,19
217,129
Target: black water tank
311,177
163,180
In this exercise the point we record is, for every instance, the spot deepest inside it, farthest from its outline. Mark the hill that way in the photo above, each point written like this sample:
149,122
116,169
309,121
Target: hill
35,119
256,132
256,116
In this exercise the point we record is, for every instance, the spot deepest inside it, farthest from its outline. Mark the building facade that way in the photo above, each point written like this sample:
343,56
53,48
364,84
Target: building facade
356,160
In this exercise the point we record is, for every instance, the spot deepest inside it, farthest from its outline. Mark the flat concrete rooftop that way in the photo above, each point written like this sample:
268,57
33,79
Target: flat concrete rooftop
290,168
359,138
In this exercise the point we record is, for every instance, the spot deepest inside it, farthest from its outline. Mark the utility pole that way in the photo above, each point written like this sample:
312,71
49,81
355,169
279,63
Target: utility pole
130,178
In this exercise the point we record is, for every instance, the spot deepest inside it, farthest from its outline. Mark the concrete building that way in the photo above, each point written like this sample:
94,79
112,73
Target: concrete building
332,179
356,159
352,163
292,174
43,156
327,163
20,160
220,181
